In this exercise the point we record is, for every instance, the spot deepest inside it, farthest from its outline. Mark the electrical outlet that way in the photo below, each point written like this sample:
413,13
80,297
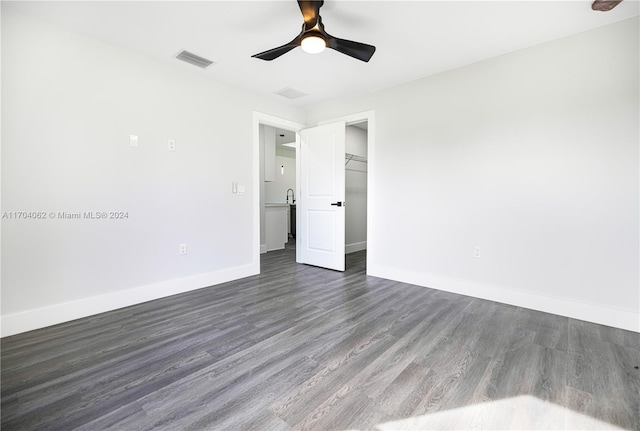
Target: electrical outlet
477,251
183,249
171,143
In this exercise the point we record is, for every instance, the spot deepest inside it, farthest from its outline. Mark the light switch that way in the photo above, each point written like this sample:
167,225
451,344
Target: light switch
133,140
241,190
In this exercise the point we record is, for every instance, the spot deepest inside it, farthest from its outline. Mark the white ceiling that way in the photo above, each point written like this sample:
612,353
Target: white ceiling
413,38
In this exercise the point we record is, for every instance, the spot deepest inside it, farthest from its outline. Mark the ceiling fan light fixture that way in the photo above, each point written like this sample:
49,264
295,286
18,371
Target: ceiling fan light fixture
313,44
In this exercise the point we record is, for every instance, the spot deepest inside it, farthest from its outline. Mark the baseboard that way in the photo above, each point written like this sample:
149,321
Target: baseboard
263,248
608,316
59,313
356,246
42,317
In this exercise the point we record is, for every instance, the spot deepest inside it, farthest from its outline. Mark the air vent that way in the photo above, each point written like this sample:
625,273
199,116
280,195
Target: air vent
290,93
196,60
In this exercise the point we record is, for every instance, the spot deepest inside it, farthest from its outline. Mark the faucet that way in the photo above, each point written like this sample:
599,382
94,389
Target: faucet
293,196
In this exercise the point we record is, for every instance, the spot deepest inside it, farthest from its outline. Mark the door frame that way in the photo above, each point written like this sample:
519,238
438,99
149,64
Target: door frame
370,118
281,123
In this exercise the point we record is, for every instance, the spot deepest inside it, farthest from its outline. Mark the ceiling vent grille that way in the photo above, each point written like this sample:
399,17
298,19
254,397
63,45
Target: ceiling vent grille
196,60
290,93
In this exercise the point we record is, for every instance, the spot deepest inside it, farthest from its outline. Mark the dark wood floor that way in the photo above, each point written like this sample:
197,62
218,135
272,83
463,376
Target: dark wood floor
299,347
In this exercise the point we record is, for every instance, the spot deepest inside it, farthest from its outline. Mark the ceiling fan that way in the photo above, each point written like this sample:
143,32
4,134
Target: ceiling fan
314,39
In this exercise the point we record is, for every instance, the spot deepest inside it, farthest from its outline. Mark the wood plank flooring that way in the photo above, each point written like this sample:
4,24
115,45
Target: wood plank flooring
299,347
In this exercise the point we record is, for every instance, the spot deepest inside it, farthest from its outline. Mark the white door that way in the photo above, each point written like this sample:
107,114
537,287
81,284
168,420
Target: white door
320,210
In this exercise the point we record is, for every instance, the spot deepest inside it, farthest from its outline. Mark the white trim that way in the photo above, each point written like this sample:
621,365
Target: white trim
356,246
297,234
350,119
617,318
268,120
263,248
59,313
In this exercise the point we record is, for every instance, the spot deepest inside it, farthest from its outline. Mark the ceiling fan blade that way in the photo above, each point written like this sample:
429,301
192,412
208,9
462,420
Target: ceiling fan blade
277,52
310,11
604,5
274,53
358,50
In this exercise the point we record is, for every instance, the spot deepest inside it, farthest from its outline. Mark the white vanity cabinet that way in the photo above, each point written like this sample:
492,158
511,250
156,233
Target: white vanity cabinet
275,224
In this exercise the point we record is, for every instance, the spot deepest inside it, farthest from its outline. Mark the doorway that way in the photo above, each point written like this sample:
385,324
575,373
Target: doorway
280,185
260,121
360,185
356,173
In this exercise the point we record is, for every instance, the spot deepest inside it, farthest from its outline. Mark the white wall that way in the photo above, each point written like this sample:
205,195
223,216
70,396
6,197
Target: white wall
356,191
268,142
276,191
69,105
534,157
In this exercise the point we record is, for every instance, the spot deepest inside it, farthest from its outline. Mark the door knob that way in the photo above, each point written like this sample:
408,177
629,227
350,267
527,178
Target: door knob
337,204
